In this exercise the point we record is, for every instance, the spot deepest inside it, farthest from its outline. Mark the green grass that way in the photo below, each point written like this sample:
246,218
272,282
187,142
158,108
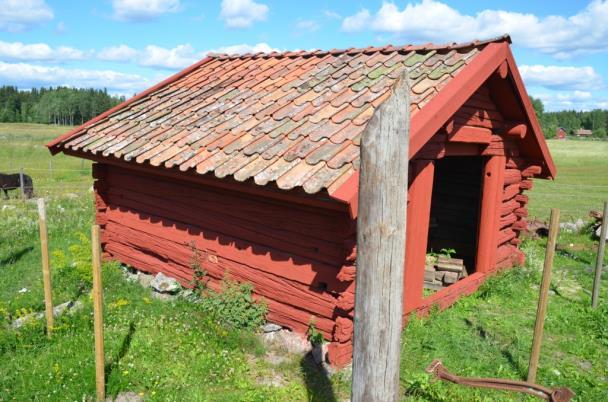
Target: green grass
581,183
177,351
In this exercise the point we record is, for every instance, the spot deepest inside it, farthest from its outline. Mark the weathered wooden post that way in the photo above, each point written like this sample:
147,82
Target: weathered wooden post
46,270
541,310
98,314
599,263
21,184
381,226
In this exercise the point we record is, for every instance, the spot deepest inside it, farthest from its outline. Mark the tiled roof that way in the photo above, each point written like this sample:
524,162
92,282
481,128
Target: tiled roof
291,118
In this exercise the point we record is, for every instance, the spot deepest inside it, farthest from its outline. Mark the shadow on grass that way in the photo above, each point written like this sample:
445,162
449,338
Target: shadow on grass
506,353
318,384
124,348
16,256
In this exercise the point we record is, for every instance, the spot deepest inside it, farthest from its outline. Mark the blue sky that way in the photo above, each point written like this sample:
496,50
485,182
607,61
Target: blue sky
561,47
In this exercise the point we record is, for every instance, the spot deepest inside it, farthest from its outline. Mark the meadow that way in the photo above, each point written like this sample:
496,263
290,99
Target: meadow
179,351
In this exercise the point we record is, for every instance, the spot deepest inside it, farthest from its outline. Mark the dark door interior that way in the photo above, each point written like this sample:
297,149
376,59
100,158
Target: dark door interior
455,207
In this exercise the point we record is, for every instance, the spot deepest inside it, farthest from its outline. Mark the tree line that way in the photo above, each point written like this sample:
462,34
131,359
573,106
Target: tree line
571,120
60,105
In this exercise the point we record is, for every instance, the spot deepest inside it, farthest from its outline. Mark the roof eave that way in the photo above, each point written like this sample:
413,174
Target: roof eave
53,145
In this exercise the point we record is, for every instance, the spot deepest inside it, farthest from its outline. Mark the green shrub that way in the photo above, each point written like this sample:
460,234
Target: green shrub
234,305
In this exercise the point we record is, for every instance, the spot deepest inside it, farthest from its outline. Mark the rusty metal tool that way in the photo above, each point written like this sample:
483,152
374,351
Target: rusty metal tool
553,395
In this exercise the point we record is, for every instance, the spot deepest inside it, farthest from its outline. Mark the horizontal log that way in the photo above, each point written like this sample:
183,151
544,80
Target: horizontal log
521,212
510,191
192,220
273,261
508,207
507,220
248,209
506,235
531,171
512,176
522,199
515,129
526,184
279,290
470,135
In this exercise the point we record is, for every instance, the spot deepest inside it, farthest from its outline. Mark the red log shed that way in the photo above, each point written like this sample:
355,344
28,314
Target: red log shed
254,159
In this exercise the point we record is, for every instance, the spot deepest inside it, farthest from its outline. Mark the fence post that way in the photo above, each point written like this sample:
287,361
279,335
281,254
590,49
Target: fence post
381,239
98,314
599,263
541,310
21,184
46,271
51,169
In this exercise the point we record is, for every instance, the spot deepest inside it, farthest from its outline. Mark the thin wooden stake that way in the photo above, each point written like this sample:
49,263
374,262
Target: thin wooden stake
541,310
98,314
21,184
46,270
381,226
599,263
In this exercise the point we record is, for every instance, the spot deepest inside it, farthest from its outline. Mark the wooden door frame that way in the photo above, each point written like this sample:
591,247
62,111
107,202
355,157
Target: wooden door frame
418,212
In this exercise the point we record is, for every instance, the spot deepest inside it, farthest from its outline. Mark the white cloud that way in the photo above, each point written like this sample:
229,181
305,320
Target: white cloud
25,75
17,51
357,22
122,53
332,15
242,13
307,25
561,77
432,20
143,10
176,58
575,100
19,15
244,48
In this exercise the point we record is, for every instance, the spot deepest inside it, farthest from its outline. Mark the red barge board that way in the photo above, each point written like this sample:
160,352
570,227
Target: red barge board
254,160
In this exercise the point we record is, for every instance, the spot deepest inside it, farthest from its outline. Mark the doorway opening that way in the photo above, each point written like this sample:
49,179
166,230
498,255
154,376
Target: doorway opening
454,220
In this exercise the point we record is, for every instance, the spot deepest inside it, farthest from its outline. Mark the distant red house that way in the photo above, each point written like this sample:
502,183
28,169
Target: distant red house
254,159
582,132
560,133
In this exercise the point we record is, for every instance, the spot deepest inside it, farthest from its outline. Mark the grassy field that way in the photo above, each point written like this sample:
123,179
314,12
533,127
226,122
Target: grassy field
581,183
177,351
23,147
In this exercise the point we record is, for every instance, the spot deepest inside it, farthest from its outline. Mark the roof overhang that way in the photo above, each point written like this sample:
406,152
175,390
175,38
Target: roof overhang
426,122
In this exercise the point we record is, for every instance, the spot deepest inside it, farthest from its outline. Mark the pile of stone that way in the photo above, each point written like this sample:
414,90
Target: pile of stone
442,271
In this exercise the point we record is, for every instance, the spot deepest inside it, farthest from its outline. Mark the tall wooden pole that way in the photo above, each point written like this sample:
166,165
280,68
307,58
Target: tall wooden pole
381,226
46,270
98,314
541,310
599,263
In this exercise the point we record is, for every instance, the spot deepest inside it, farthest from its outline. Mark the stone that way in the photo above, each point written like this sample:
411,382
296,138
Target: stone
287,341
70,307
164,296
568,227
164,284
144,279
598,232
274,358
271,327
580,224
126,397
